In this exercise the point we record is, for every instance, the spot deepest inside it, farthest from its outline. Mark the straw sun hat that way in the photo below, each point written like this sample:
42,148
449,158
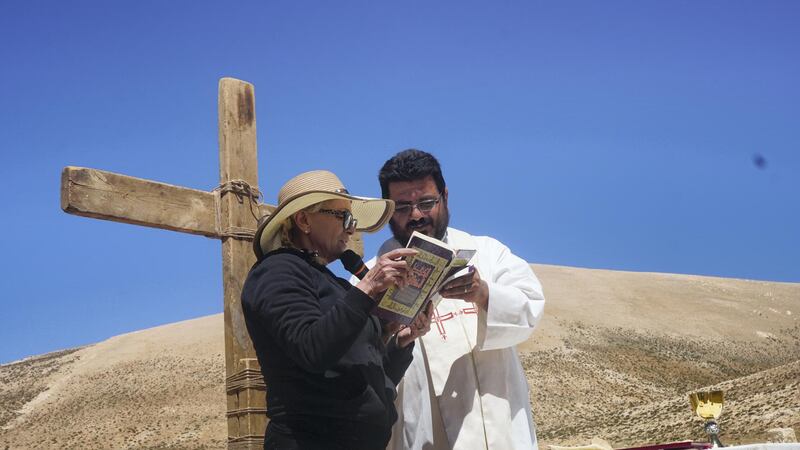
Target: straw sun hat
308,189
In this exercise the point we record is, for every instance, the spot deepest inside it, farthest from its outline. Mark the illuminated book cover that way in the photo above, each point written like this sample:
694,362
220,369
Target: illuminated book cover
434,265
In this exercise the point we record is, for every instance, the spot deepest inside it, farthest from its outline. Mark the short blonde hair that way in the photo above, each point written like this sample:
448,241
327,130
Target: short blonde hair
287,228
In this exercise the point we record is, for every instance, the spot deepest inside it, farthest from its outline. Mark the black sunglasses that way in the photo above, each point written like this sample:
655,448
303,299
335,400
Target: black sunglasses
348,221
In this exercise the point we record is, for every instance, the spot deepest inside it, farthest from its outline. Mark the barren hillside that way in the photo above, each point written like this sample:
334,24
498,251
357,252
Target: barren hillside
615,357
618,352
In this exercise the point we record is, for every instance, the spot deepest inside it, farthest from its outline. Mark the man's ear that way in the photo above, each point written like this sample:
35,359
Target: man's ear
444,195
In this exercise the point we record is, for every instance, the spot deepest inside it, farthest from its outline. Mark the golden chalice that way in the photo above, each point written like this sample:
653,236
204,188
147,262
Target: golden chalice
708,406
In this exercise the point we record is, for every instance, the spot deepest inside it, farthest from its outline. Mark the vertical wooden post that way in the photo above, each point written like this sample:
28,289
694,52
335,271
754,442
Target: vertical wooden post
238,162
356,243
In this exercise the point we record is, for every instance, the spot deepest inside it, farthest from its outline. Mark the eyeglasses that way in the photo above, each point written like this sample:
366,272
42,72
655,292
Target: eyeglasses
423,206
348,221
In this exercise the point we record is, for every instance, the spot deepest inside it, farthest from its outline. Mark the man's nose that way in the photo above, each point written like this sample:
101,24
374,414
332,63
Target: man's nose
416,213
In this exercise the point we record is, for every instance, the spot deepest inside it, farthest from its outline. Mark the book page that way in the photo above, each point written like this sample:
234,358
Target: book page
426,269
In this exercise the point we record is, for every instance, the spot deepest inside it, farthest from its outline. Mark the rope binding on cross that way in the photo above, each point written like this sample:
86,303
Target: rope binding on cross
243,190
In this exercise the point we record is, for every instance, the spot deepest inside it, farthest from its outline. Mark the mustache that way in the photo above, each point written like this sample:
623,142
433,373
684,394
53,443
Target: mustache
421,222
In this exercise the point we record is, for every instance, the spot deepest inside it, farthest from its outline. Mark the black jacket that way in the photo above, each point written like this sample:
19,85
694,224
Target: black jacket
320,349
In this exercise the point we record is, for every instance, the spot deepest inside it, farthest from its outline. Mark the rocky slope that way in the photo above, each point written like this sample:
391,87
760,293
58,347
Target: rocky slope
614,357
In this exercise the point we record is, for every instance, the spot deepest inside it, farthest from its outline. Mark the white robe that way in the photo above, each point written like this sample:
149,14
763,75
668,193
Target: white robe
466,388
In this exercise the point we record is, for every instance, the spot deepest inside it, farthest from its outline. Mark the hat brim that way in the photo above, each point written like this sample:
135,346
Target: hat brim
371,213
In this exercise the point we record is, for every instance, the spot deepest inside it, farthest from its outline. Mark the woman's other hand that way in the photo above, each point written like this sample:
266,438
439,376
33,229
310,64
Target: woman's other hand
419,327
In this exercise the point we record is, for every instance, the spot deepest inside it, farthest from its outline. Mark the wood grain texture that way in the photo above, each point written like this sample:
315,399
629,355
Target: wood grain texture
238,161
121,198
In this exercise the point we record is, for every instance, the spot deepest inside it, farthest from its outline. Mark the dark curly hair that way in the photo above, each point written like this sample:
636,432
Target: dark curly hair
410,165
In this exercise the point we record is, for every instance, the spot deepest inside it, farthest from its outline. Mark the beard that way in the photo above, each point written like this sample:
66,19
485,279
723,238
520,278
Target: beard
438,226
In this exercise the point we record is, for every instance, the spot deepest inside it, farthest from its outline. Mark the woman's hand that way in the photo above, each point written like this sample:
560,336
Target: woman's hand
390,268
419,327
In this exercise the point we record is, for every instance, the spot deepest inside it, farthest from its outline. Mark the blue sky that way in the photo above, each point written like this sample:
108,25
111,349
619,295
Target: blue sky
617,135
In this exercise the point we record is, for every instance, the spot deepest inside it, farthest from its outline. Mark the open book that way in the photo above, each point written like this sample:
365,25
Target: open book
432,267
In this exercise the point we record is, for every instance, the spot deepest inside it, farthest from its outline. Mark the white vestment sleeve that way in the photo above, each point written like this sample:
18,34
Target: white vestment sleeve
353,279
516,301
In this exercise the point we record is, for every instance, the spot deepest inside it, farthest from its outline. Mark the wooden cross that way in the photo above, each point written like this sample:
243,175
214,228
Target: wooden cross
229,213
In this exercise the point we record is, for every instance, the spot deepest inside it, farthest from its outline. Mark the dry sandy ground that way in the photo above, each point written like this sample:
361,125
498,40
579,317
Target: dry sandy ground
614,357
157,388
617,353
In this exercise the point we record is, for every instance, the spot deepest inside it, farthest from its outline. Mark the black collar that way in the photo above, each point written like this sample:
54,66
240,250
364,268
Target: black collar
311,258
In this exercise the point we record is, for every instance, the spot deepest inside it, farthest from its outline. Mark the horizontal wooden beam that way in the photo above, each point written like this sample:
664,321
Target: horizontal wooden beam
110,196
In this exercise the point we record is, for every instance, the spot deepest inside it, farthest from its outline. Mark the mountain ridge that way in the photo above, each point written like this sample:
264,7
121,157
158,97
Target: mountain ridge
624,347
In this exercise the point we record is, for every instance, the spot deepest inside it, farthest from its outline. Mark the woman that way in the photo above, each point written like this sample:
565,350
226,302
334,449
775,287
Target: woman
330,376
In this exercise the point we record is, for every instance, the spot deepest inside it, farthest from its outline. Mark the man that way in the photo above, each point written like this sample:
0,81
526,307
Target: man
465,388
